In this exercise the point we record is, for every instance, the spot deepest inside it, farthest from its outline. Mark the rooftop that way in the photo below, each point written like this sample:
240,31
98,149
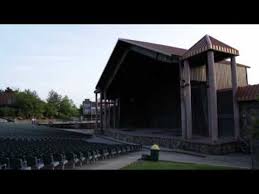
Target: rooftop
209,43
248,93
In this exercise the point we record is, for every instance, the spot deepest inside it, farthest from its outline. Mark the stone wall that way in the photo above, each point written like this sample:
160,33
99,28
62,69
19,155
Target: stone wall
249,112
177,143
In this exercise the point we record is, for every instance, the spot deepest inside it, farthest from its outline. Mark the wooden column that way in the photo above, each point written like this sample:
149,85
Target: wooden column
105,111
109,114
182,96
234,91
114,113
101,111
119,113
96,111
212,97
188,99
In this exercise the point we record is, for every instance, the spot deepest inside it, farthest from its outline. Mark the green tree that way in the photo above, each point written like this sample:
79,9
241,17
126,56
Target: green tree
54,98
67,108
29,104
53,104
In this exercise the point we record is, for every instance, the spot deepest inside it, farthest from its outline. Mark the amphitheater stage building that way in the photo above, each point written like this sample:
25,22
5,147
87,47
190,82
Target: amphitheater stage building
194,97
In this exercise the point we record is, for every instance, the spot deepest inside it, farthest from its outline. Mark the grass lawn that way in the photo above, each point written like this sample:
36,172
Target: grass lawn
162,165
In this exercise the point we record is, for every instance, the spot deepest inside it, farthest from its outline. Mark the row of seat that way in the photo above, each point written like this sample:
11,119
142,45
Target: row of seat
25,146
13,130
56,154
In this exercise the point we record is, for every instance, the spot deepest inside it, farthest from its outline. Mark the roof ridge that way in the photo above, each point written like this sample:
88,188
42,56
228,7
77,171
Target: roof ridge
208,40
124,39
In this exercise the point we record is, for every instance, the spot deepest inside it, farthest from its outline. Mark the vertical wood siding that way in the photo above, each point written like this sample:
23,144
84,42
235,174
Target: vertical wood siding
223,75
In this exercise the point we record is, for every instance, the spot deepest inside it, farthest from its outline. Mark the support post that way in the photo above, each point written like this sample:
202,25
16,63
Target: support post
182,96
119,113
114,113
96,111
109,114
105,111
188,99
101,111
234,91
212,97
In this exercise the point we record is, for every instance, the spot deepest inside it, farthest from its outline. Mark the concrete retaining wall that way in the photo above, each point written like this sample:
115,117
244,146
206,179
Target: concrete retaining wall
177,143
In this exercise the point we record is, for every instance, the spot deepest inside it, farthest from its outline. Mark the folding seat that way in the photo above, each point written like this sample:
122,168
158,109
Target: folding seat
128,148
88,155
118,150
34,162
49,161
61,158
4,163
112,152
72,158
18,164
131,149
94,155
98,154
123,149
3,166
81,157
101,152
104,152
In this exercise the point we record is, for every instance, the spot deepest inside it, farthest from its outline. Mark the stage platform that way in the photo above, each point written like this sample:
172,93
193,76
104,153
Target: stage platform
171,138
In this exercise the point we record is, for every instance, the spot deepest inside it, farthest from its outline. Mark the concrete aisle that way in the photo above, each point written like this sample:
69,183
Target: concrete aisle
232,160
113,163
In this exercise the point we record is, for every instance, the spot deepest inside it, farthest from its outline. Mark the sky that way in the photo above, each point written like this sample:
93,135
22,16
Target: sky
70,58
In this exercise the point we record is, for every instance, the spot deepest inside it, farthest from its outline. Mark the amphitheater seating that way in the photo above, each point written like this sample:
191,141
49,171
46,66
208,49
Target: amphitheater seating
26,147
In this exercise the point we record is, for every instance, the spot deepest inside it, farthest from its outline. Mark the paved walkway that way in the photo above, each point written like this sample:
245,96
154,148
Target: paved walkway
113,163
236,160
232,160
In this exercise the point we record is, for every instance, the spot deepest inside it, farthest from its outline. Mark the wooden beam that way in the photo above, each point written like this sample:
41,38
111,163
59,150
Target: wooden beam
155,55
144,51
116,68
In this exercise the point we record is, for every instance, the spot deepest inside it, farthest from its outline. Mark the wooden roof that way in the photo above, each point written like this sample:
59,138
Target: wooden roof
164,49
248,93
209,43
168,51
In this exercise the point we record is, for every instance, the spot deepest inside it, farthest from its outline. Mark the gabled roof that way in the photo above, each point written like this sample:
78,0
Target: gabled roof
209,43
248,93
167,50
